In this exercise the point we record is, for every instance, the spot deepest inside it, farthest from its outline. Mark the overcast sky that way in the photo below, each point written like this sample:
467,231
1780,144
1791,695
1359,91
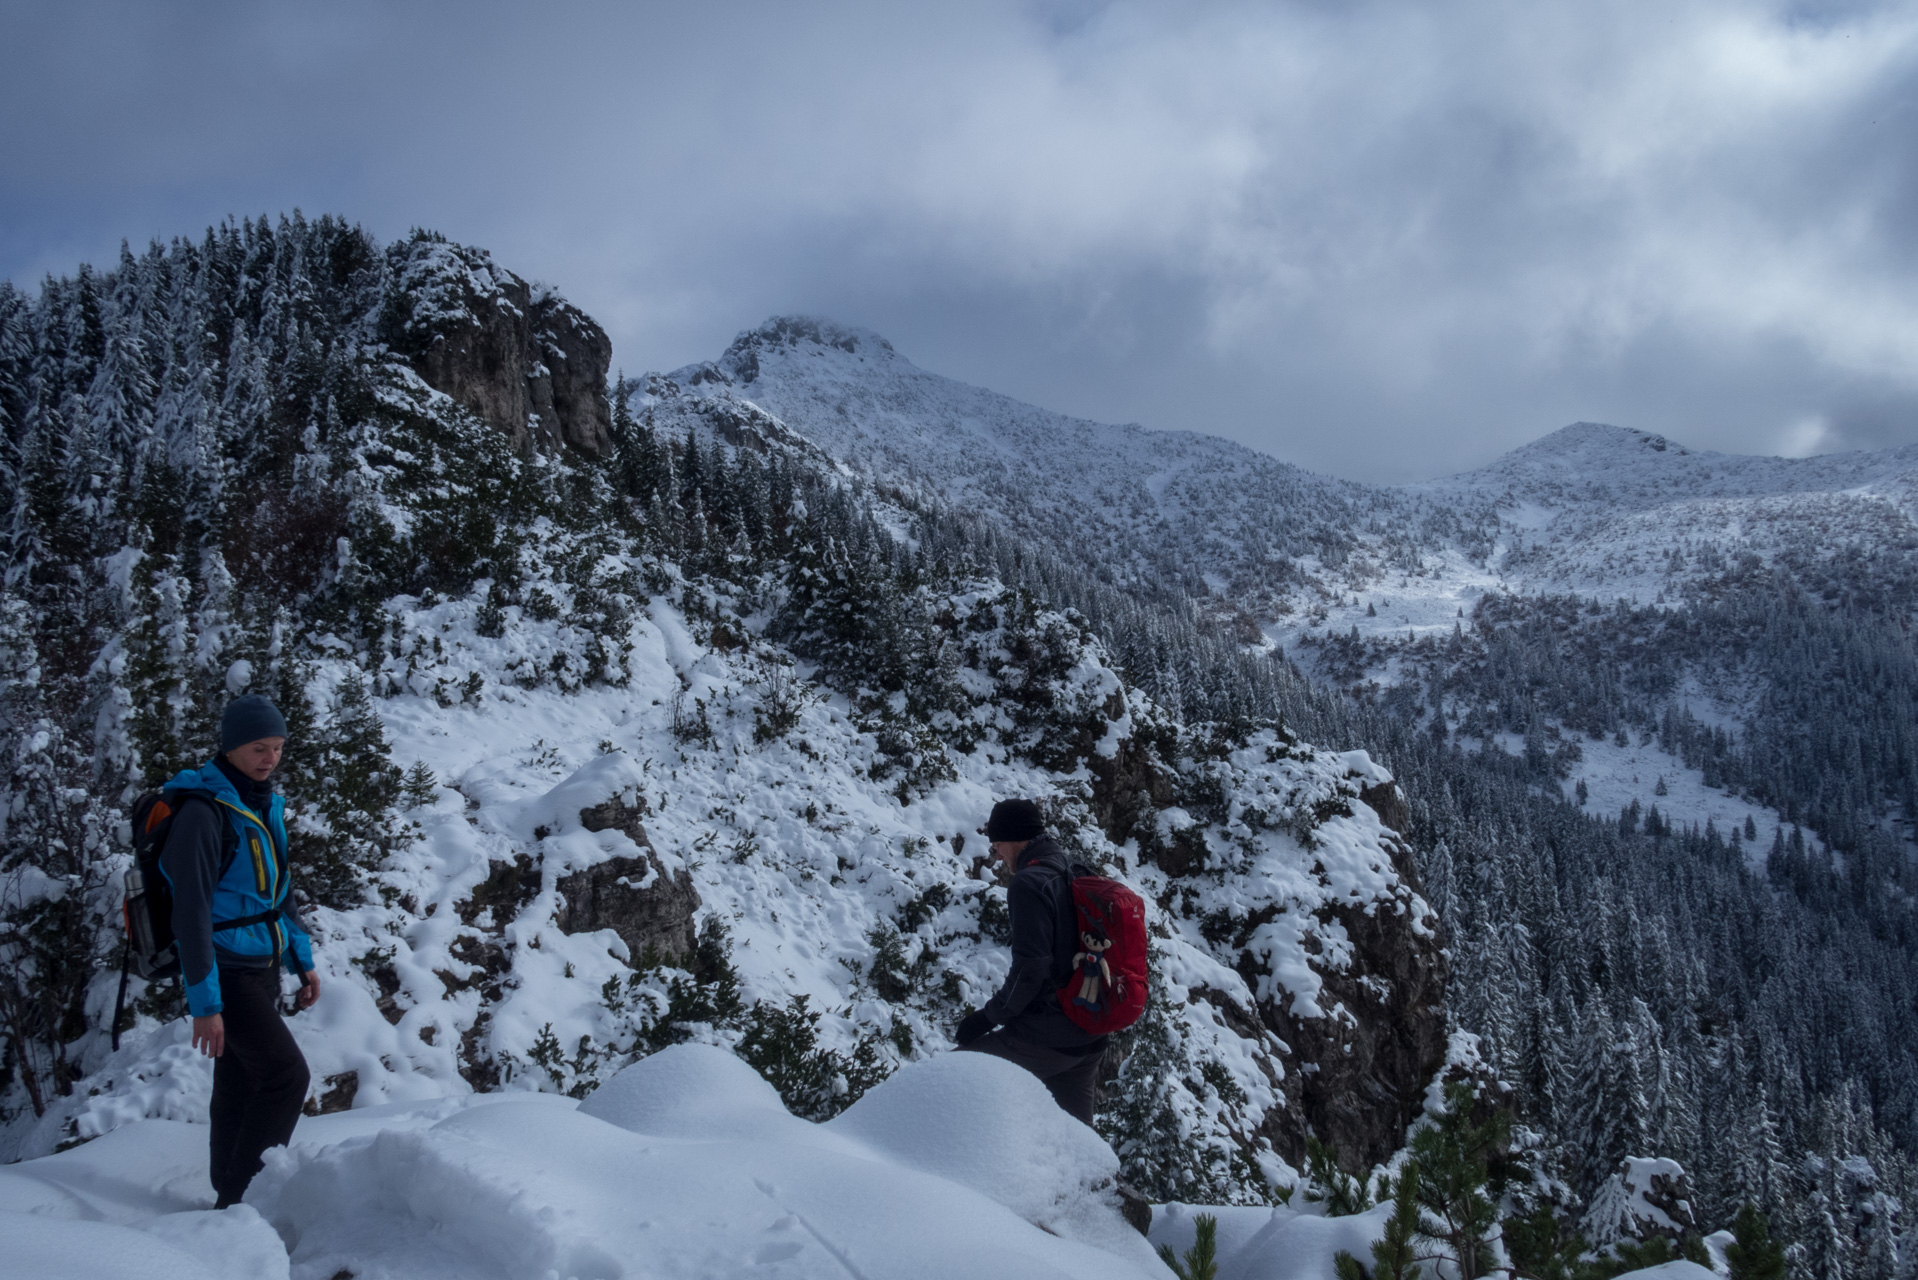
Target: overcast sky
1385,240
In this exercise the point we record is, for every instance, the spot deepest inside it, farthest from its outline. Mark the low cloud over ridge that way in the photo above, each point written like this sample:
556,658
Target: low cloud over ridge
1386,239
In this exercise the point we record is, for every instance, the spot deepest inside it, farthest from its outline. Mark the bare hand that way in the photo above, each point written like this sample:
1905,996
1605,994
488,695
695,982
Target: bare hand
209,1035
309,989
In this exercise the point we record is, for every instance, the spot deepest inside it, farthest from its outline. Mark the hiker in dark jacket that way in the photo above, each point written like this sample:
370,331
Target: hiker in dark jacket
236,926
1033,1029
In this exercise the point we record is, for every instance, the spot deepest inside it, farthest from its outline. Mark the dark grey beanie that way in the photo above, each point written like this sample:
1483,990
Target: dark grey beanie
1014,820
249,719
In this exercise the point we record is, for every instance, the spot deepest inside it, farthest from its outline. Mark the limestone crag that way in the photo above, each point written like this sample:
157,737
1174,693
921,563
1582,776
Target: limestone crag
520,356
1354,1073
1372,1057
636,898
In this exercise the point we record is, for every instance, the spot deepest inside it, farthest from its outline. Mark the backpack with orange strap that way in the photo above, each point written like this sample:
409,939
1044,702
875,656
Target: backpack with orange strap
151,951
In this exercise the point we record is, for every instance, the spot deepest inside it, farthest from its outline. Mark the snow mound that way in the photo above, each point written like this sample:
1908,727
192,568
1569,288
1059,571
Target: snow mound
986,1124
230,1244
693,1091
37,1246
1290,1245
1678,1270
133,1203
534,1187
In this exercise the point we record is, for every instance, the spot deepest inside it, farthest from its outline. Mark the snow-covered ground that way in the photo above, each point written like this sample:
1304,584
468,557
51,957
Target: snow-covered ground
685,1164
1616,776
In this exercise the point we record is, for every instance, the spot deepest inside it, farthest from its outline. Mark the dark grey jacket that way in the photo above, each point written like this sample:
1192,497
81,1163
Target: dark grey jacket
1045,936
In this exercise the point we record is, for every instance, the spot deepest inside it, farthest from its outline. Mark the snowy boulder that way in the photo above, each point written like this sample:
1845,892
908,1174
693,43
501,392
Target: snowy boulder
984,1123
650,908
1647,1196
617,880
613,776
694,1091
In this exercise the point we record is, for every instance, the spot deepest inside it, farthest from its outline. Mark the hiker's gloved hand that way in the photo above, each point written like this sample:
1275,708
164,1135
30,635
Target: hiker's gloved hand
309,990
972,1027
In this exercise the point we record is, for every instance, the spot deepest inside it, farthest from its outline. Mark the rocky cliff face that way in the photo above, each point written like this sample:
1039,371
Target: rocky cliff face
524,359
1357,1032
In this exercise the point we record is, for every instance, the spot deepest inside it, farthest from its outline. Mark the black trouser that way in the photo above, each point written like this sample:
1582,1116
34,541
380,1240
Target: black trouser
259,1081
1072,1075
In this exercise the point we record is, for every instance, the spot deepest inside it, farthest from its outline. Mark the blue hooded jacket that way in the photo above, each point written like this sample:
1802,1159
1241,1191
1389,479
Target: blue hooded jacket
256,883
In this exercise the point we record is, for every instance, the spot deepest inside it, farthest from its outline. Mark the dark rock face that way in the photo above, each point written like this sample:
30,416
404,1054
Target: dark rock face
607,895
1372,1072
1356,1077
1388,802
1371,1067
524,359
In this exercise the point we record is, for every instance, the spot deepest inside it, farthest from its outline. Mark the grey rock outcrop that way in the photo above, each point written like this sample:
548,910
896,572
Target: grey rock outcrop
649,908
1354,1076
1369,1070
520,356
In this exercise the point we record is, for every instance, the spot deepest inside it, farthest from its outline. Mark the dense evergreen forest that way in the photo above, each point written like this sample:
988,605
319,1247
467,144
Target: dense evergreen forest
202,451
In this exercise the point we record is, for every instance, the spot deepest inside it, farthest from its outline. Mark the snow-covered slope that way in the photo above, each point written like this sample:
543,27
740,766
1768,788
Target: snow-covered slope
1138,504
1600,510
1592,511
1589,509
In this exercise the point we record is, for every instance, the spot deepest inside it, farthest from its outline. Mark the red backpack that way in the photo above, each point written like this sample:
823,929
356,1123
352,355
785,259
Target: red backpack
1107,988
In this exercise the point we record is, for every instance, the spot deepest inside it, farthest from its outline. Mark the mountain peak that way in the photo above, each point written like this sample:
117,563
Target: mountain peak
1584,437
790,336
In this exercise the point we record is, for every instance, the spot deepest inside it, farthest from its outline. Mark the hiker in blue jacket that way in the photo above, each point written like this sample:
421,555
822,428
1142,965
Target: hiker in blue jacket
236,922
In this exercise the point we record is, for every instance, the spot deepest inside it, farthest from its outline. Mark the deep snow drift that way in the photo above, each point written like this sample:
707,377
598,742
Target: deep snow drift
685,1164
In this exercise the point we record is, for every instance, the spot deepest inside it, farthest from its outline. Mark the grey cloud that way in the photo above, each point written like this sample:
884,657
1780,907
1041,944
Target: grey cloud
1383,239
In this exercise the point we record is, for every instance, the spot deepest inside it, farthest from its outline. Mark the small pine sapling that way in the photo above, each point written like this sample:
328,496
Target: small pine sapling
1201,1261
1753,1254
1343,1194
1394,1255
1541,1249
419,787
1458,1185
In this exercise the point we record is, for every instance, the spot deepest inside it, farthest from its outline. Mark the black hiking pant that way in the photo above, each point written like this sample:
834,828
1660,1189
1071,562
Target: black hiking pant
1072,1075
259,1081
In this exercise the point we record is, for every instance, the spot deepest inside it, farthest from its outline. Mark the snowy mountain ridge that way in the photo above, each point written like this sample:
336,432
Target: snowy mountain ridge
1597,462
1590,509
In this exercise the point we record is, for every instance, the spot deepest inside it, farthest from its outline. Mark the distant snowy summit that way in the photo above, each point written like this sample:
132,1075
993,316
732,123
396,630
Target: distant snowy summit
1593,461
810,335
1590,509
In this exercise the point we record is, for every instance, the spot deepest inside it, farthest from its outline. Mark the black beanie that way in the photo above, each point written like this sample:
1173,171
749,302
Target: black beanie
249,719
1013,820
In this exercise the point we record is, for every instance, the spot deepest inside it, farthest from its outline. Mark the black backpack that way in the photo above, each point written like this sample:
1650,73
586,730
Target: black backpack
151,950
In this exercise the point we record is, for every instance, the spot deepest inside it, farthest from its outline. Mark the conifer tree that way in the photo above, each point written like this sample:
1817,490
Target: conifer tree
1753,1255
341,782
